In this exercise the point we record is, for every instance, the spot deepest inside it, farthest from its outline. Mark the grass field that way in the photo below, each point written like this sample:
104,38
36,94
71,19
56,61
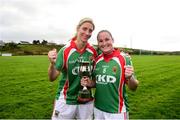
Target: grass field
25,91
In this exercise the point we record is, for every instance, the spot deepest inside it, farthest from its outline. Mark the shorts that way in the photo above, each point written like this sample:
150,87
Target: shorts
98,114
65,111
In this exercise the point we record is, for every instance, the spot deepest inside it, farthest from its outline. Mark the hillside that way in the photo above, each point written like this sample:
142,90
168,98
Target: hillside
31,49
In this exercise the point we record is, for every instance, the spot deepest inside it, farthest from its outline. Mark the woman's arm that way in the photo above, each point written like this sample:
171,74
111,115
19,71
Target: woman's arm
52,71
132,83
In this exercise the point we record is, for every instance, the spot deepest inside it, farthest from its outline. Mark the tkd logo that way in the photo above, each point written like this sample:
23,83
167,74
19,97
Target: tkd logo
105,79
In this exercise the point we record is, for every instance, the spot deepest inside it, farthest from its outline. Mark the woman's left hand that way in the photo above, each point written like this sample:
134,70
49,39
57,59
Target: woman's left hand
129,71
85,81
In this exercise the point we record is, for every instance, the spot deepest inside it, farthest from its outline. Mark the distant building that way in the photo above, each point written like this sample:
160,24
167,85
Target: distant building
51,43
6,54
2,43
24,42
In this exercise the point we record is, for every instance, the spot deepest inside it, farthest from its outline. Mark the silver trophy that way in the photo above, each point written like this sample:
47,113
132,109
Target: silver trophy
85,70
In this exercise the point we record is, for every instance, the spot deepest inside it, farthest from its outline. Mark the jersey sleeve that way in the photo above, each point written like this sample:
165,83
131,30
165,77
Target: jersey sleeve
60,60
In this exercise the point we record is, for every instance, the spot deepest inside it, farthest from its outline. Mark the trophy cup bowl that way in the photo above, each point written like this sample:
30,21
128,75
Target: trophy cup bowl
85,69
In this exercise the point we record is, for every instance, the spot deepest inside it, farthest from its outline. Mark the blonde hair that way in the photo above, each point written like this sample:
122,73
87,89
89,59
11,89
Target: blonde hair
82,21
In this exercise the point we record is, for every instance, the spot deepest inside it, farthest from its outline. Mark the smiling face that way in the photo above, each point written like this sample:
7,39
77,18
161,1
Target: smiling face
84,31
105,42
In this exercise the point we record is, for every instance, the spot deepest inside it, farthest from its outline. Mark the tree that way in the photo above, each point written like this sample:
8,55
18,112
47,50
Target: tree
11,46
44,42
35,42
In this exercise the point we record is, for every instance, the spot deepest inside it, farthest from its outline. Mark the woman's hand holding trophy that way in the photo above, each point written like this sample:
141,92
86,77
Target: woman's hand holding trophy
85,72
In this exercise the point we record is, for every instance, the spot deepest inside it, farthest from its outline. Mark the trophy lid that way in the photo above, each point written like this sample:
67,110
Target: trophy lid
85,62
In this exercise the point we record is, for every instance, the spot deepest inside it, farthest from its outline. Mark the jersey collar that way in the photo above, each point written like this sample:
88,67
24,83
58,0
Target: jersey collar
73,44
108,57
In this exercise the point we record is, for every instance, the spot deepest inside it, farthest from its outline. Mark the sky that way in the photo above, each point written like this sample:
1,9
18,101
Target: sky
139,24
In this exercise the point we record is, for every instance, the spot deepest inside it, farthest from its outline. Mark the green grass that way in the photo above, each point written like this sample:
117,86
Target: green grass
158,93
25,91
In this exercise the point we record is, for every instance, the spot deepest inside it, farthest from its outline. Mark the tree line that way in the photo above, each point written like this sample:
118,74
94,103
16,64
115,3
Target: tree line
43,48
37,42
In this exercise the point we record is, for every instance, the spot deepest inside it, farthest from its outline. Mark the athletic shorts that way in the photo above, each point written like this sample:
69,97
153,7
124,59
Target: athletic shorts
64,111
100,115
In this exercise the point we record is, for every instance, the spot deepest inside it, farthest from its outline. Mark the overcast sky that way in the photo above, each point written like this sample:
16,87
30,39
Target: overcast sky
142,24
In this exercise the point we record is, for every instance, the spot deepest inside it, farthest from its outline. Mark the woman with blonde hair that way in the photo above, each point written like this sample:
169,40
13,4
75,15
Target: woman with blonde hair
65,62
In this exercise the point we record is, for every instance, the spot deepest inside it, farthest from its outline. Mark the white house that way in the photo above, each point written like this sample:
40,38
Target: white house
2,43
24,42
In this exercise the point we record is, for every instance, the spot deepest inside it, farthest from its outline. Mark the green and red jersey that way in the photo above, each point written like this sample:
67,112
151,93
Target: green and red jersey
109,73
67,63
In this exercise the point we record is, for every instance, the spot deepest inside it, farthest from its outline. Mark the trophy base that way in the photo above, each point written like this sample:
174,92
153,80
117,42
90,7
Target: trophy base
84,96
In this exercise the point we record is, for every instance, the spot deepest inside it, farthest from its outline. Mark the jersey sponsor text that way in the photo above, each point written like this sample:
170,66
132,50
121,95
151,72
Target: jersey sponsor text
105,79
